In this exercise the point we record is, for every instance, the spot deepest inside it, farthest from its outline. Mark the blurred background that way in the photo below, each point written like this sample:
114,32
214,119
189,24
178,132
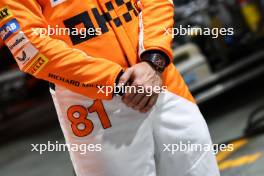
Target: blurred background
225,74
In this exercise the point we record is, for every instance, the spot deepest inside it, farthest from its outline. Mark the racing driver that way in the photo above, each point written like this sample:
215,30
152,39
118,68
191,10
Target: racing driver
126,134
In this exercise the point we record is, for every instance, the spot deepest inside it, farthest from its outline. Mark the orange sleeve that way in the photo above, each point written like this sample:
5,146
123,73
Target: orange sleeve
51,59
155,19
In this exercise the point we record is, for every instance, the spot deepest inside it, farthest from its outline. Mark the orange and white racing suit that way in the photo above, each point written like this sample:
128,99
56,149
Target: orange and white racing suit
118,32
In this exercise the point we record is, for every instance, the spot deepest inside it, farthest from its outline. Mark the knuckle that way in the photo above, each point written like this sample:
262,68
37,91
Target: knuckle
149,106
122,78
129,69
130,104
134,105
141,105
137,83
148,87
143,110
137,108
125,101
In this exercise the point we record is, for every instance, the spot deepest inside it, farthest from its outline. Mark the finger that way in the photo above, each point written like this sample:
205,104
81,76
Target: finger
129,94
152,101
125,77
136,99
127,99
144,101
133,97
137,82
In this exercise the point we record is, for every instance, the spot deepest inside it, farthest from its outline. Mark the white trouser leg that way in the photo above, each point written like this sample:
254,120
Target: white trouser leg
127,147
175,121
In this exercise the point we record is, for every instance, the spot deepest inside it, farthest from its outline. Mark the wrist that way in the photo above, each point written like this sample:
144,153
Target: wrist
118,87
150,65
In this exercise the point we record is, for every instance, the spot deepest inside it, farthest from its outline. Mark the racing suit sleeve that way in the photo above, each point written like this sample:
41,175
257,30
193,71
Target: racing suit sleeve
156,18
55,61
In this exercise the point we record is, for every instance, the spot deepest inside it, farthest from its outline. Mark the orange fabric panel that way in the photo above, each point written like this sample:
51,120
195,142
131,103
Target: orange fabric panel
64,65
157,16
175,83
82,65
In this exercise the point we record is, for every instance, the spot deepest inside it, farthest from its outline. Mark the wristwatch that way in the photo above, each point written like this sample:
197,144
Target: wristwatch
157,59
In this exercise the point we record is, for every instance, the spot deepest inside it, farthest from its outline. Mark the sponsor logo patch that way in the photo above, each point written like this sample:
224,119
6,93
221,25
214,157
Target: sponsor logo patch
9,28
17,42
5,13
25,55
128,12
56,2
37,65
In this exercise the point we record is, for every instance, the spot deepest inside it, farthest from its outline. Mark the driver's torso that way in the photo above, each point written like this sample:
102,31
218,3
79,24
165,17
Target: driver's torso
112,27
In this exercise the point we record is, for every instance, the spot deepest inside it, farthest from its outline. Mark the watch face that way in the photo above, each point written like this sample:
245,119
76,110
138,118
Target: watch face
160,62
156,60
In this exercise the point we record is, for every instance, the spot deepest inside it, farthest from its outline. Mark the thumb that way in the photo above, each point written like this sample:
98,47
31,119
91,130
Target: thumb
125,77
